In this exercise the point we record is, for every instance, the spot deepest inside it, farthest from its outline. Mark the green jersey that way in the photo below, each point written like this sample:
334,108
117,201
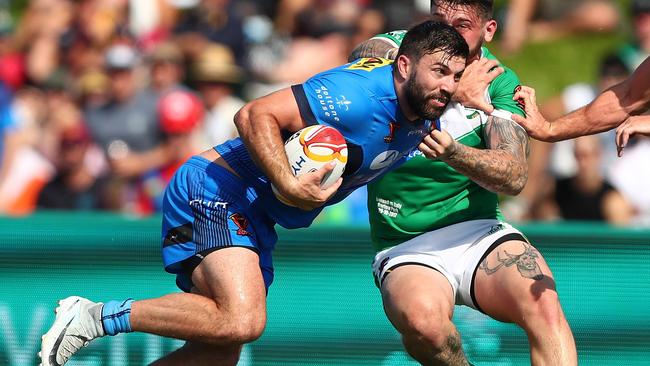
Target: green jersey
423,194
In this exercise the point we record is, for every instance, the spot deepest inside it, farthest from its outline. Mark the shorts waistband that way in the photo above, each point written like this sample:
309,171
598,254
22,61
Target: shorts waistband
214,169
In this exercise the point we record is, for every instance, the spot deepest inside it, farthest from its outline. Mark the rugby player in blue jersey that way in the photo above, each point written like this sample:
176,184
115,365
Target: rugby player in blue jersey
219,211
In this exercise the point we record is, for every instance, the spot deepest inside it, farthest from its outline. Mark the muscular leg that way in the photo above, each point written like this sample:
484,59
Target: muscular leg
419,302
514,284
228,311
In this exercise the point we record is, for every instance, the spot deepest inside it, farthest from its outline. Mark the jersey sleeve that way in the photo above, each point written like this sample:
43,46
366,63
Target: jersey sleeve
502,89
394,38
343,100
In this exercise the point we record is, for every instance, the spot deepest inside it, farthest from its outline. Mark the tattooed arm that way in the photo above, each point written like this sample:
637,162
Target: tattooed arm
375,47
500,168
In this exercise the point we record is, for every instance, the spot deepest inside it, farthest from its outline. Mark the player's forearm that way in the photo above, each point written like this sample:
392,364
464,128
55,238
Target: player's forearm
373,48
603,114
502,167
261,134
611,108
495,170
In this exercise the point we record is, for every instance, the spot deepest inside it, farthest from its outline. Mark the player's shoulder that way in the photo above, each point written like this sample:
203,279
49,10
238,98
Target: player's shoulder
372,74
394,37
508,77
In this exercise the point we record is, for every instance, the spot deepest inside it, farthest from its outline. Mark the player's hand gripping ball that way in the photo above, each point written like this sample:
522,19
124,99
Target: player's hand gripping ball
313,147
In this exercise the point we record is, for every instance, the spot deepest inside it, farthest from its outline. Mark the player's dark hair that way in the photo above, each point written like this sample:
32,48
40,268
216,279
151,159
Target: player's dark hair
484,7
430,37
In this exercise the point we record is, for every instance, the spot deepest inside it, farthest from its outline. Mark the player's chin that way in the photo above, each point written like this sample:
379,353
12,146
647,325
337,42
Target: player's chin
433,112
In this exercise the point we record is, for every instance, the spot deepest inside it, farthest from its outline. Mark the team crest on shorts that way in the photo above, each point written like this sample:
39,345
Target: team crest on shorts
242,224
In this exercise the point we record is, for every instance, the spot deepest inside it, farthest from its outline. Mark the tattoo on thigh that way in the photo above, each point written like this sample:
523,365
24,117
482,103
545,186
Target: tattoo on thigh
526,263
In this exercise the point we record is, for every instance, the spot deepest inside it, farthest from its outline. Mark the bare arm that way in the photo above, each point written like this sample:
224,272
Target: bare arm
520,13
501,168
375,47
259,124
611,108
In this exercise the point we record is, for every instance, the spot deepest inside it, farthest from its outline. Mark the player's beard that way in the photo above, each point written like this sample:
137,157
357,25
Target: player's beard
420,102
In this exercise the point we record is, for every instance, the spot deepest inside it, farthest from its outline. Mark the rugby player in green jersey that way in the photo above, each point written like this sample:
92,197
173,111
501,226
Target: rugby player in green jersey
435,222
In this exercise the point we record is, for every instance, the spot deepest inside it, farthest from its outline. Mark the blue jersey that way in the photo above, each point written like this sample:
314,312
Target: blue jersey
359,100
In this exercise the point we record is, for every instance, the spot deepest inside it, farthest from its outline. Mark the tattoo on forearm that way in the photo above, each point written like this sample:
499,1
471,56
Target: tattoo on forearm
501,168
526,263
373,48
504,134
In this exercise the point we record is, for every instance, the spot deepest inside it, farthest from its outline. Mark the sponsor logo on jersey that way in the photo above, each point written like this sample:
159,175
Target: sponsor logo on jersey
369,64
242,224
392,127
384,159
472,115
343,103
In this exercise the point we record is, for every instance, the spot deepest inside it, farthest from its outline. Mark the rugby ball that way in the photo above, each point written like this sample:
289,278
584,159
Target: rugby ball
312,147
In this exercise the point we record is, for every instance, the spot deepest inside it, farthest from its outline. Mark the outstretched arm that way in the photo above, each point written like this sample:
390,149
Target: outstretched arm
500,168
611,108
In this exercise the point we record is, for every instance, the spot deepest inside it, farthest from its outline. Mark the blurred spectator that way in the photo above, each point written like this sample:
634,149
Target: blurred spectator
587,195
181,113
402,14
27,170
126,128
542,20
212,21
12,62
8,136
128,122
303,28
151,21
76,184
216,75
630,174
42,27
635,51
550,161
93,87
167,71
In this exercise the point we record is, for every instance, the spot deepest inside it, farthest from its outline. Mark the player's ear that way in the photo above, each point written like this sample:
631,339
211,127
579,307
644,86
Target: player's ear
489,30
404,66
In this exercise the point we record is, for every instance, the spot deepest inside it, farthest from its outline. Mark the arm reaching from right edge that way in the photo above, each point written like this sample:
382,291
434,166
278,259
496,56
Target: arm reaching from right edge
637,125
610,109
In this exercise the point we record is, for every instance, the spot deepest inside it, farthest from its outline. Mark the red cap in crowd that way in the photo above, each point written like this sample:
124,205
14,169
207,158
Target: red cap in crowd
180,111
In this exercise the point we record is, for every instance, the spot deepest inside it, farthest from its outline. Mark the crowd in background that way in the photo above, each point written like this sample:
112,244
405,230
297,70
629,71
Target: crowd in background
101,100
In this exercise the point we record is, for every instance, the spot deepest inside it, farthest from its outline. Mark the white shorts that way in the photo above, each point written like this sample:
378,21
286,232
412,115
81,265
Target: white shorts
455,251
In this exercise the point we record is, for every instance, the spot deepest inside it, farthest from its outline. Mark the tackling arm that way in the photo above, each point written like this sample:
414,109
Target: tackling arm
500,168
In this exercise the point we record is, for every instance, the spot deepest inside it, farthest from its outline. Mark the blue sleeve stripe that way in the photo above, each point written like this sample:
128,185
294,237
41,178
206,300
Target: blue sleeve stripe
303,105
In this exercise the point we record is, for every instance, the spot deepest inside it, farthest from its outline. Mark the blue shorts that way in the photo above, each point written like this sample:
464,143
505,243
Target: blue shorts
207,208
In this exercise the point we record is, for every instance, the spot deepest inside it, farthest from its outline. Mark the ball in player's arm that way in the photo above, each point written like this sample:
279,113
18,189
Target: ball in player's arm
610,109
220,211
